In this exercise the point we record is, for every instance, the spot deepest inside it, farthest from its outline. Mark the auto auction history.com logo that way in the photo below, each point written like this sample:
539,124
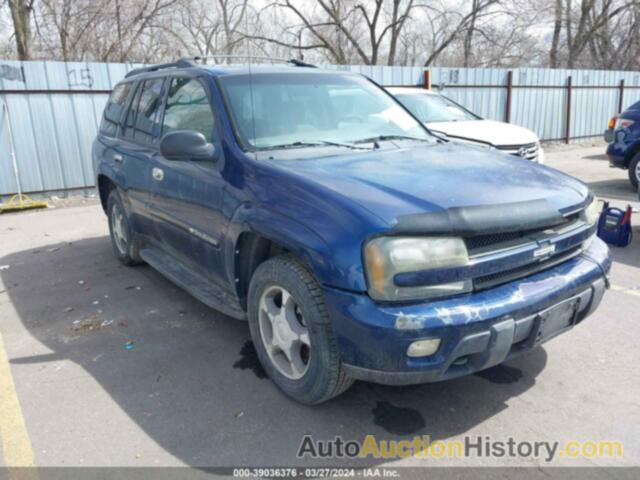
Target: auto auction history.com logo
468,447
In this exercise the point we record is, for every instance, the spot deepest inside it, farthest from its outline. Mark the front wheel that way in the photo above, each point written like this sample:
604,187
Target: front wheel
292,333
634,170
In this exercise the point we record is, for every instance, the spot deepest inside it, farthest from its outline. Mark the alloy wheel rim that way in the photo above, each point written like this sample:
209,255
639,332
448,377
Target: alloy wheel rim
118,229
284,332
637,172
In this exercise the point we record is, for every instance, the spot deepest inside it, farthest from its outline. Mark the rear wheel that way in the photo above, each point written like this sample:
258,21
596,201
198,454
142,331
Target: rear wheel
122,237
292,333
634,170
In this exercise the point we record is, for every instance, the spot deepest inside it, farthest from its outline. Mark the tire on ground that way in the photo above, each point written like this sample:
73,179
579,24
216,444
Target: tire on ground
130,256
634,170
324,377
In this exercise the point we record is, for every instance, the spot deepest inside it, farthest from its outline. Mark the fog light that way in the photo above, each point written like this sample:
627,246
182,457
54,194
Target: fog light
423,348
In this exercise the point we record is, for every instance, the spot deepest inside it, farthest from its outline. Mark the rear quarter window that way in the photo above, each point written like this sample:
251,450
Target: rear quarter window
143,117
113,110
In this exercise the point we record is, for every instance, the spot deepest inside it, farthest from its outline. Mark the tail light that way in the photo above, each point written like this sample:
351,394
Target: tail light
623,123
612,122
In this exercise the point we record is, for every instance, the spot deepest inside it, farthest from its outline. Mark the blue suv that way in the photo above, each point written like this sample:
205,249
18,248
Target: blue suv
624,149
357,244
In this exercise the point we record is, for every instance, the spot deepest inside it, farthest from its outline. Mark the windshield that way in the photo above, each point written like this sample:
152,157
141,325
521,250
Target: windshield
434,108
305,109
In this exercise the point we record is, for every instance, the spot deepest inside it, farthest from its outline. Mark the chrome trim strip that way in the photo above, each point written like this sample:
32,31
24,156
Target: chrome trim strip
530,242
163,216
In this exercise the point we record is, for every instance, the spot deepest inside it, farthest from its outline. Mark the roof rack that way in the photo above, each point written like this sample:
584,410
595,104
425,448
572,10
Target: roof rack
192,62
182,63
300,63
297,63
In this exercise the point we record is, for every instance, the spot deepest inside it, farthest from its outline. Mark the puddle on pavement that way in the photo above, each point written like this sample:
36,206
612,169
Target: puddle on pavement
397,420
501,374
249,360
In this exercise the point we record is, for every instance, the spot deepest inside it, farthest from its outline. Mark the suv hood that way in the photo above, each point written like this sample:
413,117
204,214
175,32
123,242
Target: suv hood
486,131
394,183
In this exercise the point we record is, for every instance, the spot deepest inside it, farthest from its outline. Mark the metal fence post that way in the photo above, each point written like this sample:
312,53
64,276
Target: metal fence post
427,79
507,108
621,96
567,133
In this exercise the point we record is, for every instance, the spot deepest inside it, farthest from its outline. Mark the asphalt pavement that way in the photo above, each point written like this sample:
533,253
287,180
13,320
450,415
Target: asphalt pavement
105,365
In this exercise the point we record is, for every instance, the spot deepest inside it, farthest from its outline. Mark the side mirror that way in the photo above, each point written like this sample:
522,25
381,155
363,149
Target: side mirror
187,145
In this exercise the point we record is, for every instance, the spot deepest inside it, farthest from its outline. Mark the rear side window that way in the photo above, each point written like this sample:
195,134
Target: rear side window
115,106
188,108
143,116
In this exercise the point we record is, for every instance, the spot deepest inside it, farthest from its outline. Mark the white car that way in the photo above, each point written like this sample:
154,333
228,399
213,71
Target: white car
444,116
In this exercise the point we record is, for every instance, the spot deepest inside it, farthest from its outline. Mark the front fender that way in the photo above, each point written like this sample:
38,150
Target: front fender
299,239
630,151
624,146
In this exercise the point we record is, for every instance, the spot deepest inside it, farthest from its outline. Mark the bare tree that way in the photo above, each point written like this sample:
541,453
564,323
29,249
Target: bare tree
232,14
106,30
314,30
616,45
468,37
586,19
557,28
498,35
196,27
211,28
345,30
21,11
470,33
71,21
447,24
399,17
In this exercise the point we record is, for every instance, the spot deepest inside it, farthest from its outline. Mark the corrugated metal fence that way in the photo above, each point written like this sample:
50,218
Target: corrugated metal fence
55,108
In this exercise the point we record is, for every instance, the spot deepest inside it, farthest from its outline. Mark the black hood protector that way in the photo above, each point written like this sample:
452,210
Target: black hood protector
482,219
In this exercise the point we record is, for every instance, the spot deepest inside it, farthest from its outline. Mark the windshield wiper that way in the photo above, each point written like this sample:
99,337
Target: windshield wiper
441,136
318,143
380,138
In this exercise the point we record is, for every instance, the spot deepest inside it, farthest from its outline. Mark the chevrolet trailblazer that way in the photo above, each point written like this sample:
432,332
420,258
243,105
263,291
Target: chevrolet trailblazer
357,244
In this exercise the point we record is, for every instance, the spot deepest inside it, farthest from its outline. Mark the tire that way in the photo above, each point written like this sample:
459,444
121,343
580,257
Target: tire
322,376
123,239
634,170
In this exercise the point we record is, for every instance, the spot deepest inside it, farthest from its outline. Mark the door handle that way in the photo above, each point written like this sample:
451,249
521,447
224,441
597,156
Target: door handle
117,158
157,174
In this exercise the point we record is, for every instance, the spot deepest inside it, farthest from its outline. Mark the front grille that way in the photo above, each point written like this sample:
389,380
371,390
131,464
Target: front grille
482,242
510,251
528,151
497,241
488,281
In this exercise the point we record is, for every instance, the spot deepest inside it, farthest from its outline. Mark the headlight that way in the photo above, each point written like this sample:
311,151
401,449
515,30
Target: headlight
591,214
386,257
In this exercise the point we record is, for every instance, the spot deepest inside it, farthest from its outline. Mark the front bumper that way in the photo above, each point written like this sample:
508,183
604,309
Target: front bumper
617,150
616,161
477,330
